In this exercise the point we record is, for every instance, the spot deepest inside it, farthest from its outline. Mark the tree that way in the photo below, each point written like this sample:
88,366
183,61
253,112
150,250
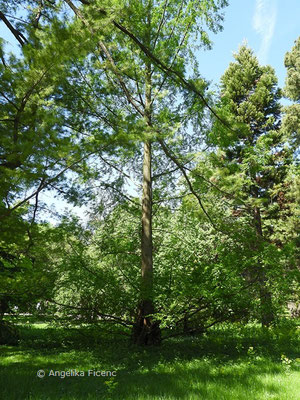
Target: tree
252,160
150,110
291,124
37,148
291,129
139,81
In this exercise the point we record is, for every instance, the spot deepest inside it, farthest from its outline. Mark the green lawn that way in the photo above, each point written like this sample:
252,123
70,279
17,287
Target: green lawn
231,363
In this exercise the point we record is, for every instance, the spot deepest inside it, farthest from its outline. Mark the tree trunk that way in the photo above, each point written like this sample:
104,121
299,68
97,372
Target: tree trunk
266,307
146,331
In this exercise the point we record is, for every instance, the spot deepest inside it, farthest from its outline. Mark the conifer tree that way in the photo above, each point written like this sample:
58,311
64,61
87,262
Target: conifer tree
252,157
138,83
291,120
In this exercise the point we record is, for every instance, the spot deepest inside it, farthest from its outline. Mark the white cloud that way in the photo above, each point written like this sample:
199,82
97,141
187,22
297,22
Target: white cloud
264,20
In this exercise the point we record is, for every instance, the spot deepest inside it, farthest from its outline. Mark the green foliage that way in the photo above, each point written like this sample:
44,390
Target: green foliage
8,334
199,275
292,64
291,119
97,274
26,279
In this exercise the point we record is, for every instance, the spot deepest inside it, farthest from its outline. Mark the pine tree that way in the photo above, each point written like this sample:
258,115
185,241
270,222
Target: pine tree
252,157
291,129
291,120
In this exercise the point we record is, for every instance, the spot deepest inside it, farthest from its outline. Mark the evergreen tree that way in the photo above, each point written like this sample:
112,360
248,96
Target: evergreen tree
291,120
252,158
292,63
290,190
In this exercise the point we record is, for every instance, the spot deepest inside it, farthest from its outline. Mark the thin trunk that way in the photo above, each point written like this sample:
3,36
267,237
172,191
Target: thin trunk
146,240
267,315
146,331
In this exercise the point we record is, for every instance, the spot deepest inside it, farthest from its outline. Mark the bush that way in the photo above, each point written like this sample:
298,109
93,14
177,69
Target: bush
8,334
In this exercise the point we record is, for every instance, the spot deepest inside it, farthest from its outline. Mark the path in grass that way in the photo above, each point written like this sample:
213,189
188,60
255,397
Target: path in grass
228,363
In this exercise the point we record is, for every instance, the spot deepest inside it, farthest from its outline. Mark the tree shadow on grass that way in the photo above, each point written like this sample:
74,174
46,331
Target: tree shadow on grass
157,373
201,381
217,366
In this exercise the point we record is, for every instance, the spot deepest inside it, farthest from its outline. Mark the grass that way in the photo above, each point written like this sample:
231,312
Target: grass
229,363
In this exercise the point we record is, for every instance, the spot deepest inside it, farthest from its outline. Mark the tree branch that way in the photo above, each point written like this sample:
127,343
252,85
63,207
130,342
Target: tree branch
44,185
182,169
18,35
105,316
170,71
109,57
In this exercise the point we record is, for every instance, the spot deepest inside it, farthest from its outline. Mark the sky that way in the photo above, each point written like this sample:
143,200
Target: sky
269,27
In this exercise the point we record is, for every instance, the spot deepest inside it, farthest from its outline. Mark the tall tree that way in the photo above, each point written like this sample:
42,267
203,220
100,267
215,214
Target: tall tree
147,66
138,85
252,157
37,144
291,130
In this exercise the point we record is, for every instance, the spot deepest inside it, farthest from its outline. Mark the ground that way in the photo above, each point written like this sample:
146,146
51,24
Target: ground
231,362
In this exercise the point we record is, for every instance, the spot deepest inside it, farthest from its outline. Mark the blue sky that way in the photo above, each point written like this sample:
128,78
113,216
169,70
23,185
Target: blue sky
270,28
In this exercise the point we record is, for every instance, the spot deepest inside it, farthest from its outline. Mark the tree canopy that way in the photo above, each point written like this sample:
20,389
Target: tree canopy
193,196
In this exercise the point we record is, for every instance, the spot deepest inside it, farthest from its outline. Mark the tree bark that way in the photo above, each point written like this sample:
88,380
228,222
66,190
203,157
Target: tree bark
266,307
146,331
146,239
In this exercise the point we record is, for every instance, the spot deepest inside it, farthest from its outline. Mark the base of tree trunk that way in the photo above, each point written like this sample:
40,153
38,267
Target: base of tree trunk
146,332
267,314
